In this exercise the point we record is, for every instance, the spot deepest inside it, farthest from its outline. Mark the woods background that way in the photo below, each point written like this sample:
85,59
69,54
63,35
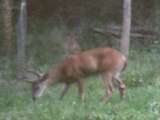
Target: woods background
51,30
49,22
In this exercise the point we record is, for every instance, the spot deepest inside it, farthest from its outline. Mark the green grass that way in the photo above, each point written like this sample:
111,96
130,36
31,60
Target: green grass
142,101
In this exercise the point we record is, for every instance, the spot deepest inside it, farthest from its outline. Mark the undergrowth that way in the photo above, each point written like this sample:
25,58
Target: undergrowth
141,102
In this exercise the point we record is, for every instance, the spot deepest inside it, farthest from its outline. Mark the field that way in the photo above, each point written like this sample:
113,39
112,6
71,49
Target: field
142,101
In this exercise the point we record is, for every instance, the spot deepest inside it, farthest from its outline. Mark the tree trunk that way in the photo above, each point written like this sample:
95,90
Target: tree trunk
21,40
71,45
156,15
125,39
7,11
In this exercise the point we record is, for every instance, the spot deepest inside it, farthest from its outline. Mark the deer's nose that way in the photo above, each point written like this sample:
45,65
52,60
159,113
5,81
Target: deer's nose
34,98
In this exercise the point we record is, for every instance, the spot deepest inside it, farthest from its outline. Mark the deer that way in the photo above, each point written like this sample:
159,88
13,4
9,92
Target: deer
107,62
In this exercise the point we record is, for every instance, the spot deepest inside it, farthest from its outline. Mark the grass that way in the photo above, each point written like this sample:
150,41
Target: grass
142,100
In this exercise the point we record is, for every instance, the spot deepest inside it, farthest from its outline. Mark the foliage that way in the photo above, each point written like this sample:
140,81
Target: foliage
7,68
144,70
48,38
45,48
49,25
48,42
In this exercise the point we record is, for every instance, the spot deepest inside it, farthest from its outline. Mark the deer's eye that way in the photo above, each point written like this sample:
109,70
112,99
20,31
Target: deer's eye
36,87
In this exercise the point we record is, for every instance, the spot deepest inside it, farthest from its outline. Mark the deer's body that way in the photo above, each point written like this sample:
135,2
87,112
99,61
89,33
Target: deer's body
105,61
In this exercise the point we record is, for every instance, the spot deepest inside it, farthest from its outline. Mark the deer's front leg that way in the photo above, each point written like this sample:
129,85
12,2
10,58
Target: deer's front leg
64,91
81,90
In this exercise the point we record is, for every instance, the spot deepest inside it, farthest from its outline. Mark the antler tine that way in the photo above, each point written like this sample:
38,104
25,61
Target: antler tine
32,76
35,73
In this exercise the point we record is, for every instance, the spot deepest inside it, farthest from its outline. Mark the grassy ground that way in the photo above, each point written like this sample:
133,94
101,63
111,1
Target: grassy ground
142,100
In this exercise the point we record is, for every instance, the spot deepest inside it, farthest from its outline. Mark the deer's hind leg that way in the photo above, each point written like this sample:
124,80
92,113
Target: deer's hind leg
121,85
108,85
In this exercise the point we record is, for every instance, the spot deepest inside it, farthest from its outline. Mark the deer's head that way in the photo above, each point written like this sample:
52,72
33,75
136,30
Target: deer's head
38,85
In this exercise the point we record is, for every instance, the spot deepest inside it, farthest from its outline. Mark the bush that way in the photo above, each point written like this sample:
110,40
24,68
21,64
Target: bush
142,68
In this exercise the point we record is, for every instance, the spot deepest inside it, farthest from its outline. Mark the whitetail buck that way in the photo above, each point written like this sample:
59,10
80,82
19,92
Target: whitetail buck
105,61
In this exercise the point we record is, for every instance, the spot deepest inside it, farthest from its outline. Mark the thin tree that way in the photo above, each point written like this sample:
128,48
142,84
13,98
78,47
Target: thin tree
156,14
21,40
71,45
125,39
7,13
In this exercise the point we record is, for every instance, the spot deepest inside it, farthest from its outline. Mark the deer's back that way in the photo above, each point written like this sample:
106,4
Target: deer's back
92,61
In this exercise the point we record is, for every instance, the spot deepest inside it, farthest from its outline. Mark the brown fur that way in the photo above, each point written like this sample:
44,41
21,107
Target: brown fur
105,61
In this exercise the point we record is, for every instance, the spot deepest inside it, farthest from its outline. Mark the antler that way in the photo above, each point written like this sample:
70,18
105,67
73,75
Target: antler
32,76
